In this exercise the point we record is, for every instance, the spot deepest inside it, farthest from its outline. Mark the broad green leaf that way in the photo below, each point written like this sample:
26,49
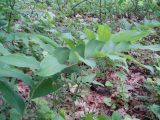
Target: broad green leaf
38,39
70,43
89,117
45,40
92,47
20,60
108,47
12,72
14,115
129,36
2,34
27,36
3,50
58,117
116,116
80,49
62,54
158,82
90,34
46,47
155,47
11,96
62,113
155,109
46,86
73,59
50,66
3,22
114,57
103,117
122,46
104,33
128,117
108,101
67,36
89,62
108,84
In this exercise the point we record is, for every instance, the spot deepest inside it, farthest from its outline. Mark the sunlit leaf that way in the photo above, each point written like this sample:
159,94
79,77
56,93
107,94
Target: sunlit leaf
129,36
104,33
90,34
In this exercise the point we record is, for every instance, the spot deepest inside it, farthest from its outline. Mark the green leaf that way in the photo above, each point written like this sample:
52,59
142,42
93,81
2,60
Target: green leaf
50,66
3,50
108,84
46,47
27,37
128,117
158,82
129,36
108,101
14,115
92,47
12,72
45,40
122,46
89,62
155,47
155,109
67,36
58,117
103,117
46,86
20,60
3,22
80,49
62,113
104,33
73,59
108,47
89,117
69,43
90,34
116,116
11,96
62,54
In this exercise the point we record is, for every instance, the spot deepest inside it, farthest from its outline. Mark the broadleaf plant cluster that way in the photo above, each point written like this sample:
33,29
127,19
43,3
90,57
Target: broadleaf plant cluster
44,64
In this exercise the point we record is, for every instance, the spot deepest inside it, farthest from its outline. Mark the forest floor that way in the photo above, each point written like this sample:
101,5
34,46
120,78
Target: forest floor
92,99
